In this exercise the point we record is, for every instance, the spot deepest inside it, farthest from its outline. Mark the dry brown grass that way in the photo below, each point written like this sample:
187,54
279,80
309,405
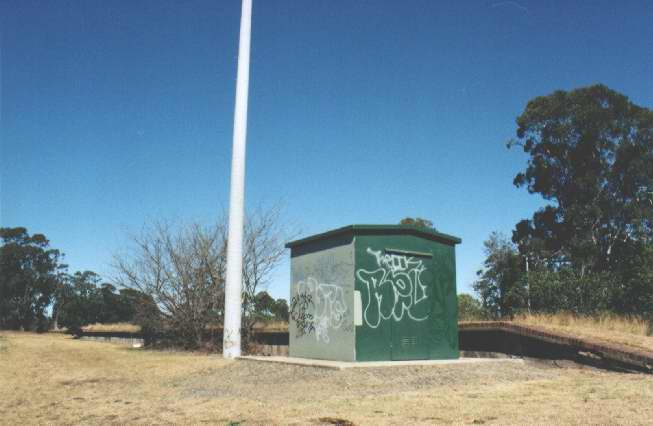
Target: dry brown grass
124,327
53,379
271,326
625,330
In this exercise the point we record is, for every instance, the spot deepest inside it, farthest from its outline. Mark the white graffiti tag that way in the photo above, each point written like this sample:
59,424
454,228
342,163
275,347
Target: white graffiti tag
328,305
394,289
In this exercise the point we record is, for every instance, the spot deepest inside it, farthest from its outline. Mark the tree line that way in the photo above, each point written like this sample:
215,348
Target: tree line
170,281
590,248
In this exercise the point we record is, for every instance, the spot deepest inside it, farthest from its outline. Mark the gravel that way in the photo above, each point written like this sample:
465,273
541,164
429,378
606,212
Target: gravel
267,382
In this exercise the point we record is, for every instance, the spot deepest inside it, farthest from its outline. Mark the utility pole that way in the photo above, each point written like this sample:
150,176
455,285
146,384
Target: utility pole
233,285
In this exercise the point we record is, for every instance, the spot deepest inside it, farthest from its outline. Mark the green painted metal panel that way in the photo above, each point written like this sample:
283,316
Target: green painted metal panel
407,286
444,327
321,322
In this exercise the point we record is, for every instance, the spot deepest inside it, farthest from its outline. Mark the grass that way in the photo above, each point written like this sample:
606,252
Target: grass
625,330
54,379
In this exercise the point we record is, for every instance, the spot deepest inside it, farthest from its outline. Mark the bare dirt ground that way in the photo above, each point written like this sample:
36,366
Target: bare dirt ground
53,379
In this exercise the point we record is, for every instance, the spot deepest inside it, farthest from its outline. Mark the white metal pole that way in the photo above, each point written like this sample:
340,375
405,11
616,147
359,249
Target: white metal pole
233,286
528,287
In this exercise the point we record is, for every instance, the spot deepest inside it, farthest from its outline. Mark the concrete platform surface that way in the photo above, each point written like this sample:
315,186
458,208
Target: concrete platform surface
341,365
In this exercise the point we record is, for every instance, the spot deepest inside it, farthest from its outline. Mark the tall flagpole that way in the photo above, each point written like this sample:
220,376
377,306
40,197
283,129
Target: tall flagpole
233,286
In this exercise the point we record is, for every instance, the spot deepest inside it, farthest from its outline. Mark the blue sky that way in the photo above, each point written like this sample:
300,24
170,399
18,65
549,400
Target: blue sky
118,113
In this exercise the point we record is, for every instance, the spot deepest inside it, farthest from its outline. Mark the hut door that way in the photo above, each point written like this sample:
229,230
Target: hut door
410,328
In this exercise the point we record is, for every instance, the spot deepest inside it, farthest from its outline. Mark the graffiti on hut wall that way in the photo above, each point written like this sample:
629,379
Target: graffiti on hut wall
394,289
301,308
316,308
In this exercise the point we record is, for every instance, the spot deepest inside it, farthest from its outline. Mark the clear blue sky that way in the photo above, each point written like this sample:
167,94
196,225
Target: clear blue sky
115,113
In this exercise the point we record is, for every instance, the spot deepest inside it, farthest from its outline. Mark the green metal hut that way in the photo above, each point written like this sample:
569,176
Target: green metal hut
374,293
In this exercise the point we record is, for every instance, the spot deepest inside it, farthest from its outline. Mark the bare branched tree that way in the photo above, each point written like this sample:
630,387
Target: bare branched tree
183,270
263,249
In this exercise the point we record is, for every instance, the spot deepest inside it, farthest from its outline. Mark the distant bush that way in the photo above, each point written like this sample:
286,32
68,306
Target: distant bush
470,309
567,290
81,300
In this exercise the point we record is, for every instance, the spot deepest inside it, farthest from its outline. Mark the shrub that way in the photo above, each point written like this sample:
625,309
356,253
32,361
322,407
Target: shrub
470,309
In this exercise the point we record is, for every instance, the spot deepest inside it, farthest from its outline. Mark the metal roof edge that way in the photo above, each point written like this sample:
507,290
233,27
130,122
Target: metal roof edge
373,229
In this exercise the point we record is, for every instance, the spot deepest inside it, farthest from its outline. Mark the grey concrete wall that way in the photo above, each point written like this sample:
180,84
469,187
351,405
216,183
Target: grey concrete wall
271,350
322,302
